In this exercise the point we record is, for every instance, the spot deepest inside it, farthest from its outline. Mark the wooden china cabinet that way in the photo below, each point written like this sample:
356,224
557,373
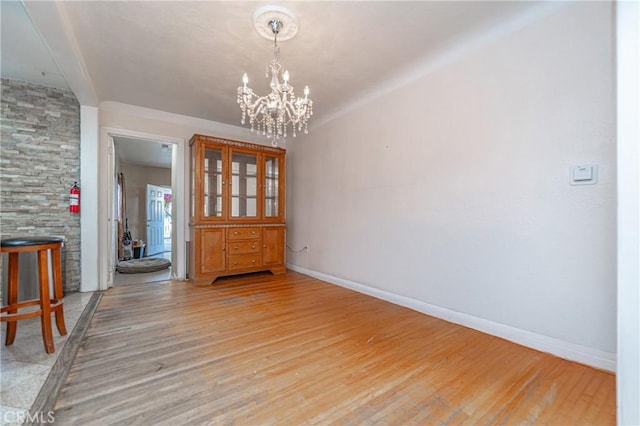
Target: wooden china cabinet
237,208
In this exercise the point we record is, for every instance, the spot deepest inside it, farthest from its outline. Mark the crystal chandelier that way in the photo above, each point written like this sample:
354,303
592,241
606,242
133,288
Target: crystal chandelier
272,114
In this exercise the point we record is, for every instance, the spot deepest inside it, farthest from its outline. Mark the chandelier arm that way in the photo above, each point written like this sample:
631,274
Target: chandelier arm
292,114
246,96
259,100
246,101
251,106
301,110
259,115
304,111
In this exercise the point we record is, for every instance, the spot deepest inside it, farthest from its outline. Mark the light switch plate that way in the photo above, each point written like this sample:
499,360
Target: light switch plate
583,174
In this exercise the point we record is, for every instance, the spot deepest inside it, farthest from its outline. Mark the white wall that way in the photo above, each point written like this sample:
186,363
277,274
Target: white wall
90,265
628,107
452,194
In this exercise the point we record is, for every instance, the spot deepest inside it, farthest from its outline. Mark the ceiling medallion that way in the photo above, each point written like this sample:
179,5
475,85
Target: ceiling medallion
273,113
263,16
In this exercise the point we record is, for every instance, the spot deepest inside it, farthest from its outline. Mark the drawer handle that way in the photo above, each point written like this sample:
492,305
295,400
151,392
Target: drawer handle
235,263
235,233
253,232
253,261
264,246
253,247
235,248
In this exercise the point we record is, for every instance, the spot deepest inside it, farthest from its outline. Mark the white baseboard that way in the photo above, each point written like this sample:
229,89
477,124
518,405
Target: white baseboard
571,351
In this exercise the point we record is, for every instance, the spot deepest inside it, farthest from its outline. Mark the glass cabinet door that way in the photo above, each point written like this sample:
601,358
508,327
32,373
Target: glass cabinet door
271,186
212,182
244,185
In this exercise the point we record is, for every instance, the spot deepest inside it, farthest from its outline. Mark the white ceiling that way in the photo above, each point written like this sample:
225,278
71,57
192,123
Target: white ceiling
188,57
24,55
143,152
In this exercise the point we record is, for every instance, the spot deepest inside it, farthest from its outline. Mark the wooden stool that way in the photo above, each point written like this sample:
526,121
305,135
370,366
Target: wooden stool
9,312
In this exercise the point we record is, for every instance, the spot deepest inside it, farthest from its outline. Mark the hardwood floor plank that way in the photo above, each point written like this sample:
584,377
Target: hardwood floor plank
290,349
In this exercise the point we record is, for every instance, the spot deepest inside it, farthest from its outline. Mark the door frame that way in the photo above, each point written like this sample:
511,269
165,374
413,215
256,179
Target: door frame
106,203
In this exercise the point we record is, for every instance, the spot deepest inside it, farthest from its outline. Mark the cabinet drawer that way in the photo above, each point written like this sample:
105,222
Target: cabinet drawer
243,247
243,261
243,233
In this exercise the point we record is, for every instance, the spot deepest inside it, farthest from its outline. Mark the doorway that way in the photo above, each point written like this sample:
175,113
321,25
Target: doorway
143,212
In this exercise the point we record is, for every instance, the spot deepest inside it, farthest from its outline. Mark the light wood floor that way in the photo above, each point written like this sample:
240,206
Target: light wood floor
293,350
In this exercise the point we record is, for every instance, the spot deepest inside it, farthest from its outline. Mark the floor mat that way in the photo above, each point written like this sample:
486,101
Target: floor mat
139,266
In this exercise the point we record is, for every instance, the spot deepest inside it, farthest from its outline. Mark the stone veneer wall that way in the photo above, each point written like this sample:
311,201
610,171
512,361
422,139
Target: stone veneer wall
39,161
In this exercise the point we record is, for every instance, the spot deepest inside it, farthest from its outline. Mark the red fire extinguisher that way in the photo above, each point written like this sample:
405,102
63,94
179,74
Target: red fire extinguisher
74,198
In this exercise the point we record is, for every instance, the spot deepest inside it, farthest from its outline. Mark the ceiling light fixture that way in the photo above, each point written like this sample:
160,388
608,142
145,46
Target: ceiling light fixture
272,114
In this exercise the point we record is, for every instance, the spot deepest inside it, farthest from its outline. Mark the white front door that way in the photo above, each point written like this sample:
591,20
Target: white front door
155,220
